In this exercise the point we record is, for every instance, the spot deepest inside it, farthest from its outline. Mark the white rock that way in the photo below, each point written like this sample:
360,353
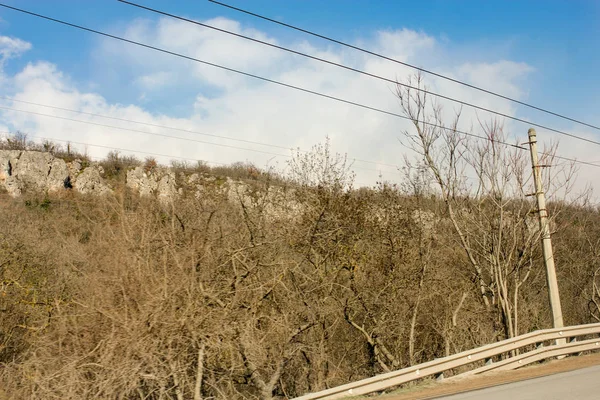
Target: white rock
31,170
90,182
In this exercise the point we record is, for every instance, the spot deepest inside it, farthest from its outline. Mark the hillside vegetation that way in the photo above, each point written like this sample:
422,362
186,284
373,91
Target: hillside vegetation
125,297
213,296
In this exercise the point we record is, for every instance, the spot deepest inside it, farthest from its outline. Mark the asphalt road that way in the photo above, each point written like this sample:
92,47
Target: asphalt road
582,384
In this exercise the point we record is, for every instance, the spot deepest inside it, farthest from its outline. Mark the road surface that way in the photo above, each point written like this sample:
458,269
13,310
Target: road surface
582,384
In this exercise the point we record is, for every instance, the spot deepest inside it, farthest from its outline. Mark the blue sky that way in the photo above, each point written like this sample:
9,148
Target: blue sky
561,39
554,45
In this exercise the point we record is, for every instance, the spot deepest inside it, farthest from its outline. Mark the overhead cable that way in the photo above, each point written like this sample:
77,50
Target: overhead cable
369,74
427,71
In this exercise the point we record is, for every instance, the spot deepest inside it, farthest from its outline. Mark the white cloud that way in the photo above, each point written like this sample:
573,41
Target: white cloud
12,47
509,74
40,76
235,106
154,80
404,43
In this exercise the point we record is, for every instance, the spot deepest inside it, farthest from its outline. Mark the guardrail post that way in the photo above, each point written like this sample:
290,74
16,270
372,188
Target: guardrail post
573,340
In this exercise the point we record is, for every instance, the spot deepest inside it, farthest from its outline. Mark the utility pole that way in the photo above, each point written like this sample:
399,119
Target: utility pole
545,230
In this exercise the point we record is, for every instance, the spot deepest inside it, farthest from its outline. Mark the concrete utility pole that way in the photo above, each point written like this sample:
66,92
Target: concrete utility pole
545,230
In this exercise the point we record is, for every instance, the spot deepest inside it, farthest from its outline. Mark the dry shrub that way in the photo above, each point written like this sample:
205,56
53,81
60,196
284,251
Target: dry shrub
126,298
238,171
150,165
116,165
20,141
16,141
149,290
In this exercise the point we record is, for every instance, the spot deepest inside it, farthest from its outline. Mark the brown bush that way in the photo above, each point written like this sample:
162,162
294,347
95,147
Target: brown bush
123,297
116,165
19,141
150,165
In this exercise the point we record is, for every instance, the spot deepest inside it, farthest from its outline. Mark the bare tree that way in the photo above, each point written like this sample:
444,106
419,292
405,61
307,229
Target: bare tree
483,185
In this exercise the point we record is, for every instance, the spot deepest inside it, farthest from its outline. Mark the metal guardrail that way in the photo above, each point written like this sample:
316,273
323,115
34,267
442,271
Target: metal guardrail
438,366
537,355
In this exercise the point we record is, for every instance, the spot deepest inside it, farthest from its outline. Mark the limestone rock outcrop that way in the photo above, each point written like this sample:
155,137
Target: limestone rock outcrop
90,181
32,170
159,182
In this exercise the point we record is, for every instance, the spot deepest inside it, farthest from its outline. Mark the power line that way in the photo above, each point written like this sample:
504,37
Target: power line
143,132
573,160
390,113
173,137
219,144
179,129
232,70
144,123
208,63
269,153
430,72
379,110
382,78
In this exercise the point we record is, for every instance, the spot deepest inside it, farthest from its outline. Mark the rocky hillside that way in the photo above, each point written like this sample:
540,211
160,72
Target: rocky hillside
23,170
